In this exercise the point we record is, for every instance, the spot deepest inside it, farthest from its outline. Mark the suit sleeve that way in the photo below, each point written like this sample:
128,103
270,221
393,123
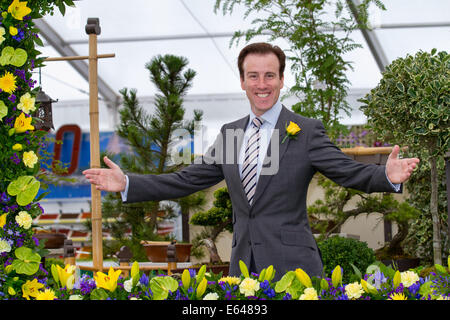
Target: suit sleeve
328,159
205,172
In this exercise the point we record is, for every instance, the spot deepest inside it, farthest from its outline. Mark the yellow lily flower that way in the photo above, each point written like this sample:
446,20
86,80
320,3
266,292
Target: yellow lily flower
65,276
31,288
109,281
19,9
23,123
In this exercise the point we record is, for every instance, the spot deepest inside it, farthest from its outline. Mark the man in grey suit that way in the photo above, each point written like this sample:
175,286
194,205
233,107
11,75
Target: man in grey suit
267,172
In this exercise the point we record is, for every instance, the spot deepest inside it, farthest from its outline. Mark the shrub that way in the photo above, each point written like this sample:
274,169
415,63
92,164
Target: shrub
344,252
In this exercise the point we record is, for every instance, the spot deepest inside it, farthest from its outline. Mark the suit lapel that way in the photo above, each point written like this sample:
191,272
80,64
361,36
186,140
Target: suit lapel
264,180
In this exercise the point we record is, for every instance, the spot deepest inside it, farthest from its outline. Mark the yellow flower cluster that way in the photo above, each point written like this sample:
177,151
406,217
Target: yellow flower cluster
27,103
354,290
30,159
309,294
249,286
408,278
24,220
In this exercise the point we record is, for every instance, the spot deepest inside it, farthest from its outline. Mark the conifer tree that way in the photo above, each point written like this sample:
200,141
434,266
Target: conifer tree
150,137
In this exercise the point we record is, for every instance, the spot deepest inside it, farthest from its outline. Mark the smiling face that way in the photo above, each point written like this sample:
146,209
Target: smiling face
261,81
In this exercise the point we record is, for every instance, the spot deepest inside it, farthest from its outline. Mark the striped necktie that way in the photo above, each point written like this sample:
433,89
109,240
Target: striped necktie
249,168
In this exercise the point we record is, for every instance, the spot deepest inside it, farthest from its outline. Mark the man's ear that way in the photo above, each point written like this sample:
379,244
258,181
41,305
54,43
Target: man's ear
282,82
242,83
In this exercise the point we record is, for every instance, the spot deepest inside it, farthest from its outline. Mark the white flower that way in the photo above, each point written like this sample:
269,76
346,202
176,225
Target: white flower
309,294
75,297
249,286
128,285
211,296
408,278
24,220
354,290
4,246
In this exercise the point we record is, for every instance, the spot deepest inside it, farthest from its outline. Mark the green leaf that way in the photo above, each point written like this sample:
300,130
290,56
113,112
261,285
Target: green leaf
356,270
284,282
6,55
425,289
25,188
27,261
3,110
99,294
294,289
440,269
16,57
19,58
161,286
26,254
400,86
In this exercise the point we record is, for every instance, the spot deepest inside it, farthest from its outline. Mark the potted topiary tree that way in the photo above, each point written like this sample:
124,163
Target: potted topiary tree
215,220
410,106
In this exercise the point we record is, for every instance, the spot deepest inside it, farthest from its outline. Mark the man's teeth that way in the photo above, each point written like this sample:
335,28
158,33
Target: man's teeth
262,95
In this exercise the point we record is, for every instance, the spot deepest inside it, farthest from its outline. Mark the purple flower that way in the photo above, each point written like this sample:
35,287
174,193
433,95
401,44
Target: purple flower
287,297
86,285
15,158
264,285
144,279
19,36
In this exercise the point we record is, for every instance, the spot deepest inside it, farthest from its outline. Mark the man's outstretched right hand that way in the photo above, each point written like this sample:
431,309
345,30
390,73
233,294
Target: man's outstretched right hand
112,179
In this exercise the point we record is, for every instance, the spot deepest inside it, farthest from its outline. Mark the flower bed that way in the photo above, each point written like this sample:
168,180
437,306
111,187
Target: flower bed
379,283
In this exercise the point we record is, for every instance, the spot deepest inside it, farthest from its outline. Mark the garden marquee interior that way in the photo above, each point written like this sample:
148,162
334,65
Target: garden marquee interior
191,28
134,32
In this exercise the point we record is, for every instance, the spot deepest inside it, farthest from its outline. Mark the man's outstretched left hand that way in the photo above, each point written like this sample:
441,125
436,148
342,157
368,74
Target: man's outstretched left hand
399,170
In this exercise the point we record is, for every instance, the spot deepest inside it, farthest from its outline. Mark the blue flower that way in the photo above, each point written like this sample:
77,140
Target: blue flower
144,280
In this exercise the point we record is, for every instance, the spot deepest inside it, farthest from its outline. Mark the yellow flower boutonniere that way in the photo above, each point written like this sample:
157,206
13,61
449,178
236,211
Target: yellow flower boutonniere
292,131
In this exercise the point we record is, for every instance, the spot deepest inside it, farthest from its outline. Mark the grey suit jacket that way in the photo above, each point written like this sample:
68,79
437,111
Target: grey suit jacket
275,227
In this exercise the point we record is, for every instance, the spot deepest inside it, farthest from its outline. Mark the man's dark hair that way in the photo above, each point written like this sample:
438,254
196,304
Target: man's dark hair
261,48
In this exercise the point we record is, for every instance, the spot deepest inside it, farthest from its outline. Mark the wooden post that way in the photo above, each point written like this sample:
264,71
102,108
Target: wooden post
171,257
93,29
69,252
124,255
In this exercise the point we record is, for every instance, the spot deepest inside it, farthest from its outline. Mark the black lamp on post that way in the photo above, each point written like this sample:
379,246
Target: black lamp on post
44,112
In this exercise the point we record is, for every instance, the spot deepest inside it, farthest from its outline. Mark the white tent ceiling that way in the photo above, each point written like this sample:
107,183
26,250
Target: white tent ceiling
137,30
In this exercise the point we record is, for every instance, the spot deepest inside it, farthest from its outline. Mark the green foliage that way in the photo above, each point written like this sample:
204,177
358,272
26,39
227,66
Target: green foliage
344,252
410,106
219,214
315,48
